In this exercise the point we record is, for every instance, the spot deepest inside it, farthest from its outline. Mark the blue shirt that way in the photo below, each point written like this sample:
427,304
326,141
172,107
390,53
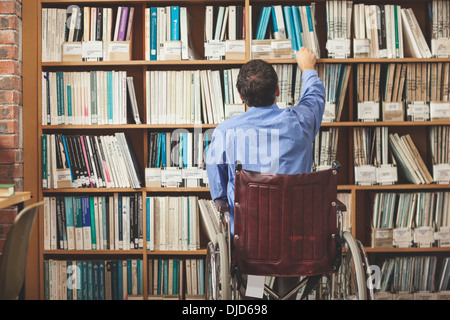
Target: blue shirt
266,139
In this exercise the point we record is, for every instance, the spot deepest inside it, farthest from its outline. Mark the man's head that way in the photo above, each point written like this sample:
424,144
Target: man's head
257,83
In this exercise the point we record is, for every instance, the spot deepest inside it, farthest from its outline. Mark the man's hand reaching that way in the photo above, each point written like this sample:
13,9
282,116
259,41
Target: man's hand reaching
306,59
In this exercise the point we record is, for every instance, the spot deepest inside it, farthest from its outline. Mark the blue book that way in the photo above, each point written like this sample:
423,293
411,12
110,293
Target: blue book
129,280
67,156
80,279
69,105
163,150
263,23
120,287
78,220
158,289
158,151
139,280
166,277
298,29
93,233
90,283
290,27
185,149
109,88
201,289
86,215
274,24
153,32
69,280
84,280
175,23
95,280
70,225
60,96
101,280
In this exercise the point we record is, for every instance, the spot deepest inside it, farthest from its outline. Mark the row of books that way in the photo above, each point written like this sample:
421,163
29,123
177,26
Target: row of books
167,34
179,148
88,161
83,24
296,23
439,137
93,279
172,223
370,146
325,148
174,279
198,96
94,97
224,23
411,210
113,222
440,27
409,159
414,274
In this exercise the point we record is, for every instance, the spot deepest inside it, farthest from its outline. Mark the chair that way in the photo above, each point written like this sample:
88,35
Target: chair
285,226
14,257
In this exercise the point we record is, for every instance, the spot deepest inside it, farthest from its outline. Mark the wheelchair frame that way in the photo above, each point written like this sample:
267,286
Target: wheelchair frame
347,282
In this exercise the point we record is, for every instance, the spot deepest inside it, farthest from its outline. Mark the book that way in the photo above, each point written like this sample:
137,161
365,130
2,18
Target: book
7,190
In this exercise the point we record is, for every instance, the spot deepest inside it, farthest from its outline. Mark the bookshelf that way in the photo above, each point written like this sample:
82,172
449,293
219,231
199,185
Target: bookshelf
362,196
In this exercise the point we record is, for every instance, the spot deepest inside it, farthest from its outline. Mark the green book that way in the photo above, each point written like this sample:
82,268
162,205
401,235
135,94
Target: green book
7,190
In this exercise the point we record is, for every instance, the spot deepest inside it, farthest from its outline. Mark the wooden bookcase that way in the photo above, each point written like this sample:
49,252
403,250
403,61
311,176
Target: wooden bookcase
362,196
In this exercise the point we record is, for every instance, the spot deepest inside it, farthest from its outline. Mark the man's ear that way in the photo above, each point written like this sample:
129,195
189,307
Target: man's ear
277,93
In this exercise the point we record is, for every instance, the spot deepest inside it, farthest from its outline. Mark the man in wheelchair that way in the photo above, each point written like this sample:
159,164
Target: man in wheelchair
274,142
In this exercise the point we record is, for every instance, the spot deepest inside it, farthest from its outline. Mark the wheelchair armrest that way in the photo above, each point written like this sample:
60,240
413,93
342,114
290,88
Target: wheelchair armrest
222,205
340,206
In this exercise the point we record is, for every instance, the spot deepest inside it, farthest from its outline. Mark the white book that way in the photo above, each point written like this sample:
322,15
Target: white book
112,226
232,23
219,22
209,11
47,223
411,46
44,35
281,33
417,31
147,34
224,24
184,33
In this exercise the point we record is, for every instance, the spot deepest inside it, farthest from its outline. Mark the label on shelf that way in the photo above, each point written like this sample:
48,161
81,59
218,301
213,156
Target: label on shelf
338,48
386,174
329,114
418,111
235,49
424,236
443,236
119,51
171,177
153,177
215,50
368,111
393,111
92,50
440,110
440,48
72,52
382,238
441,173
361,48
192,176
172,50
402,237
261,49
365,175
281,49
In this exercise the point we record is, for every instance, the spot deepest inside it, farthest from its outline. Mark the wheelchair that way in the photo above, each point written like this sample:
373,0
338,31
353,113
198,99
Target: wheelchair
285,226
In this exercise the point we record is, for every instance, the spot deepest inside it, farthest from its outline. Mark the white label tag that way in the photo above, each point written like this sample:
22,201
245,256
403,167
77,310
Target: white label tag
441,173
255,286
368,110
440,110
92,49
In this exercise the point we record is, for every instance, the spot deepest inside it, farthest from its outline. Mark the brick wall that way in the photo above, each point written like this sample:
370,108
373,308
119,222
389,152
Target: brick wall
11,149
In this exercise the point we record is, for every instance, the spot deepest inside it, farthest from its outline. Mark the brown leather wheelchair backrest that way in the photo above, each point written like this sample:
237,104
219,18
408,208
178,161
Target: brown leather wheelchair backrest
284,224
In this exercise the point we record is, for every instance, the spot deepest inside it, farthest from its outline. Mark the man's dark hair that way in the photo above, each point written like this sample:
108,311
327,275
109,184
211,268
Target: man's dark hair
257,83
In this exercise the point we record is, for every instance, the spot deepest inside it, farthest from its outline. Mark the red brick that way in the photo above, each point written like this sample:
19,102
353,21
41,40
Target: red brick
8,156
10,67
4,229
10,97
10,141
9,37
11,7
11,82
11,171
11,126
9,52
9,112
9,22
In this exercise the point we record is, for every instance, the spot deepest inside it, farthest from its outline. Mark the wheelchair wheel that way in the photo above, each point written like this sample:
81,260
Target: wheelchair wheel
217,270
351,279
